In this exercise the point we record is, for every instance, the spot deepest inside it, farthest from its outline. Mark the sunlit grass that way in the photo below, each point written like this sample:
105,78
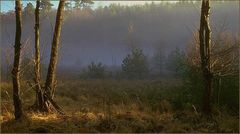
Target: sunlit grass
116,106
43,117
6,116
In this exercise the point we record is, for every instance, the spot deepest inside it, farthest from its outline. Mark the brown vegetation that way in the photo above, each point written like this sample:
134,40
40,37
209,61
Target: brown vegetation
116,106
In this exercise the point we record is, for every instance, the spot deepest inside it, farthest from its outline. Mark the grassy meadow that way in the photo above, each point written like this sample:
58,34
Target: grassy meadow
116,106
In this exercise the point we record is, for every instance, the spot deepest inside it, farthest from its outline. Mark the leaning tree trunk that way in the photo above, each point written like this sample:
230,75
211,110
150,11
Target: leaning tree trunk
50,80
205,42
18,113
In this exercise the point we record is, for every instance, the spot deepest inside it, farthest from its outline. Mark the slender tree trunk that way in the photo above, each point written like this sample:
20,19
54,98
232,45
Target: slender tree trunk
50,81
18,113
37,47
39,105
45,97
205,42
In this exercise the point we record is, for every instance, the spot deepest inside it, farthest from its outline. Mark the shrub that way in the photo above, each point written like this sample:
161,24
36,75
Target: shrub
94,71
176,62
135,65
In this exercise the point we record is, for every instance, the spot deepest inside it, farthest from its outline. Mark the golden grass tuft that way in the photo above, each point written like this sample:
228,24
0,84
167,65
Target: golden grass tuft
44,117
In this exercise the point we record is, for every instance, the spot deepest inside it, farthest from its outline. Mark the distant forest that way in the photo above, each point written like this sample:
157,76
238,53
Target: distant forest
99,31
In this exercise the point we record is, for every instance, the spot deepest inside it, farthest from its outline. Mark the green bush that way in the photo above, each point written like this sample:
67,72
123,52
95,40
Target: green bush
135,65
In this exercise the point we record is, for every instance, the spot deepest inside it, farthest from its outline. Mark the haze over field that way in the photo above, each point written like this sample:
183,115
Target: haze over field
100,34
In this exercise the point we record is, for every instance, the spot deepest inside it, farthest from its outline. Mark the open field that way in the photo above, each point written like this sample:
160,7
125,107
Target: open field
116,106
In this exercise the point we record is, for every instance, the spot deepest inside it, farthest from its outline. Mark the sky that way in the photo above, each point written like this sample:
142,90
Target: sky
7,5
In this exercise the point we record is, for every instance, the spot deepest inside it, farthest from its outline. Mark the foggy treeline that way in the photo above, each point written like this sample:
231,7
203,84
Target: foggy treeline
101,35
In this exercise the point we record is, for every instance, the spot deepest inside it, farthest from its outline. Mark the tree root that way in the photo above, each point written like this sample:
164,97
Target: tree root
44,103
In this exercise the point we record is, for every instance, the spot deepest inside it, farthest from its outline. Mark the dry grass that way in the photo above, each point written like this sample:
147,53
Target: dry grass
114,106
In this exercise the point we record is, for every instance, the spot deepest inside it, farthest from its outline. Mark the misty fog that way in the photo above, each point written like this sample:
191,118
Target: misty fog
100,35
